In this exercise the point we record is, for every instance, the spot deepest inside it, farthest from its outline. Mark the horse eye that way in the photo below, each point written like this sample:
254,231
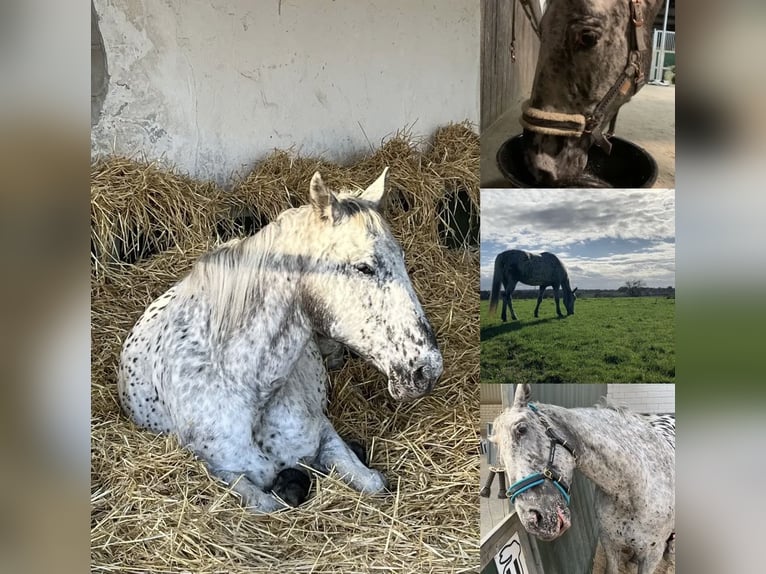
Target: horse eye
364,268
520,430
587,40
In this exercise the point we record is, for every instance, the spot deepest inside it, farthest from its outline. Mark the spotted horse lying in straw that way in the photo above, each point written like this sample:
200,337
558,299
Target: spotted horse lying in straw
629,457
228,359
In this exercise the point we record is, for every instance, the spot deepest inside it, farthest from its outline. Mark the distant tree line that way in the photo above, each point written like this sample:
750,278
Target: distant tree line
635,288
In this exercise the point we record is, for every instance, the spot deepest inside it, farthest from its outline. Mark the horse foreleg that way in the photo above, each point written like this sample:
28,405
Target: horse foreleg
539,300
253,497
335,453
612,553
556,297
647,564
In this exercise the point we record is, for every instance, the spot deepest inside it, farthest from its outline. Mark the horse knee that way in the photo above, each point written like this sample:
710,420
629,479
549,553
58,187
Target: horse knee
358,449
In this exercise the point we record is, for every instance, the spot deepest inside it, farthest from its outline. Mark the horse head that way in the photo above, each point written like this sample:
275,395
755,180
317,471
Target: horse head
593,58
570,296
542,504
356,289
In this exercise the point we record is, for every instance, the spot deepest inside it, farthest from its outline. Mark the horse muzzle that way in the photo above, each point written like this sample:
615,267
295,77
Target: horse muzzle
412,382
546,524
555,160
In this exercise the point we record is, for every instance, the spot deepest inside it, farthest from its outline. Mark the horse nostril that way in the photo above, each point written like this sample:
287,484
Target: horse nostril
419,374
535,517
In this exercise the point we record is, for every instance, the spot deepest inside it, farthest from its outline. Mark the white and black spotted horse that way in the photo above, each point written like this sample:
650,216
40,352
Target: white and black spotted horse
629,457
228,359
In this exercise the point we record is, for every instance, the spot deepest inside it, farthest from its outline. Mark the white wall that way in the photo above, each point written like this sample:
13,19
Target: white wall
215,85
644,398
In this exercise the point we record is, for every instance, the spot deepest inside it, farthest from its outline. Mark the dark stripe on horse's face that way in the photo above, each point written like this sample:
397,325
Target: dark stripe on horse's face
348,207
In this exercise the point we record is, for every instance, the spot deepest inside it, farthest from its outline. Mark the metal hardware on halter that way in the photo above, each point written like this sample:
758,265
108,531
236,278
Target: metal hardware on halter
538,478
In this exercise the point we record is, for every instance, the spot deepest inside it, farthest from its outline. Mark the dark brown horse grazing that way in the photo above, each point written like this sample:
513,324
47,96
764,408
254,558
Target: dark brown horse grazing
594,56
544,270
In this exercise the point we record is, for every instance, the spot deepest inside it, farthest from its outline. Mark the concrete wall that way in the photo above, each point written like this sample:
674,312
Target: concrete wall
214,85
644,398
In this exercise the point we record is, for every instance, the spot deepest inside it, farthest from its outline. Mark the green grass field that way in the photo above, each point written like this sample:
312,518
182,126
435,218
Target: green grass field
607,340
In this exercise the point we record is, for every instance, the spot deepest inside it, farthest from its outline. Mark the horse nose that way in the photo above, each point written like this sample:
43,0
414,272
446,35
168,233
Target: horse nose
534,517
427,371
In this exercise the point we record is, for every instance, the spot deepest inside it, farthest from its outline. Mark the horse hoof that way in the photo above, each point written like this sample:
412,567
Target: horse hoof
292,486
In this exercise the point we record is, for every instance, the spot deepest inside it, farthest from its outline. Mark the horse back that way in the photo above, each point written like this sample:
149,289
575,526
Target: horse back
531,269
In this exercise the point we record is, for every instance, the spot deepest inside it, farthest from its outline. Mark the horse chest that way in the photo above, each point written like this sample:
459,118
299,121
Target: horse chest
638,527
292,420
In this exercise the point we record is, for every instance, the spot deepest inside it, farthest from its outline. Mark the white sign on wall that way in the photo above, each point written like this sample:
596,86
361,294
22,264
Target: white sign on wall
510,559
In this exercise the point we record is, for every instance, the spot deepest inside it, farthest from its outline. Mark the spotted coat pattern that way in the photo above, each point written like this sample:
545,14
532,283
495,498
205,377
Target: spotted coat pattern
228,359
630,459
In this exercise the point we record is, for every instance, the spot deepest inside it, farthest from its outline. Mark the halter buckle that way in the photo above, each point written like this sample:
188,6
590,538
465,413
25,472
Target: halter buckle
548,474
636,15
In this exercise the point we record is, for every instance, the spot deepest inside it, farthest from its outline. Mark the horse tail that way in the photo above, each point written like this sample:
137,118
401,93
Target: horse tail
497,279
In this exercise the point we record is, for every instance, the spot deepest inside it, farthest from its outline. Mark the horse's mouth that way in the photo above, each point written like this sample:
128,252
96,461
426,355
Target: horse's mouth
559,161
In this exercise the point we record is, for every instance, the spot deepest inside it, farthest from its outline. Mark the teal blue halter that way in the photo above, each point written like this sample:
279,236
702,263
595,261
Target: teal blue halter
548,473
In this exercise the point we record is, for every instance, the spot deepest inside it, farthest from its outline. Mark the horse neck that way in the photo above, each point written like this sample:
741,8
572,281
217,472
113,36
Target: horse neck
603,438
256,316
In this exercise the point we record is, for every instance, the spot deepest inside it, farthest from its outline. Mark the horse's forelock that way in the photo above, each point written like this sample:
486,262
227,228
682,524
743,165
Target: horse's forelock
353,208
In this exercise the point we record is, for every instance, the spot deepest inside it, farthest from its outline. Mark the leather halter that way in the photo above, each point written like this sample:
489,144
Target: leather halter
630,81
548,473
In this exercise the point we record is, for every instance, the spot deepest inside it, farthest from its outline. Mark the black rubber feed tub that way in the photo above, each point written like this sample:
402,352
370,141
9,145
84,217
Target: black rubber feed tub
628,166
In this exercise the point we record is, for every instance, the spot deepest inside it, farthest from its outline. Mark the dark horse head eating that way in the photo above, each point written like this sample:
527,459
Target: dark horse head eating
594,55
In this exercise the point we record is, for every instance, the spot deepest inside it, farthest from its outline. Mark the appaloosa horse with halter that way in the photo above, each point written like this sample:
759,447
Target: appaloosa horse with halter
544,270
594,56
629,457
227,359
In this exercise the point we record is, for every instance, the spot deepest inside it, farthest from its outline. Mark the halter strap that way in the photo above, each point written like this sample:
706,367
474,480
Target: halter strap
548,473
578,125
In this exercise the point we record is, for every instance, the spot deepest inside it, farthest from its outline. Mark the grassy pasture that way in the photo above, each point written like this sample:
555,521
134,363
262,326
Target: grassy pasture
607,340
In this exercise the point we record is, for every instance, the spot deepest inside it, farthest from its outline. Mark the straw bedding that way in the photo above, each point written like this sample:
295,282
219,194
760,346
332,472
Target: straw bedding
154,508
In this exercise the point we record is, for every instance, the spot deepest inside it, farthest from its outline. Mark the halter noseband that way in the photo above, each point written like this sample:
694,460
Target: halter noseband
548,473
578,125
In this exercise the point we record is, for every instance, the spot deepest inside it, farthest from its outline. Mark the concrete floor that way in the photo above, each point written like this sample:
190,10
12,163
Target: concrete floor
648,120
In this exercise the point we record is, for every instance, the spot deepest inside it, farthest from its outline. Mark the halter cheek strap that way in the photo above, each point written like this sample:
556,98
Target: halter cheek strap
548,473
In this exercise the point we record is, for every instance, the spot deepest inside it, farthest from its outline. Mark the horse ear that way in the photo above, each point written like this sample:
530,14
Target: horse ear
323,200
377,190
522,396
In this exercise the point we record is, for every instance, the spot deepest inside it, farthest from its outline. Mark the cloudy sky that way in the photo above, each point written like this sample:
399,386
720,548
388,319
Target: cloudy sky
604,237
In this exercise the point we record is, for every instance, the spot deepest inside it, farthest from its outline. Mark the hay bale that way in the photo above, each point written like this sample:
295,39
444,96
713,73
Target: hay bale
155,508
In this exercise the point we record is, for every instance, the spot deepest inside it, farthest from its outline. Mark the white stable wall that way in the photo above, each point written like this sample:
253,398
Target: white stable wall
215,85
644,398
